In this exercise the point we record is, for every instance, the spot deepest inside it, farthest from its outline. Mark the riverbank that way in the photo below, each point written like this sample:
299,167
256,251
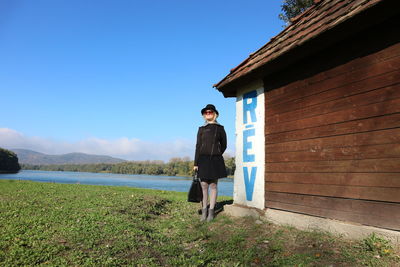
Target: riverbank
86,225
8,172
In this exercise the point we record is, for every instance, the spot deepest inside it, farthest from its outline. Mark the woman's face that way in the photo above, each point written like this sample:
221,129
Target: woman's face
209,115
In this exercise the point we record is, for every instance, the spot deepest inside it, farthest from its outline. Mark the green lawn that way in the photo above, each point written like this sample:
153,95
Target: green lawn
85,225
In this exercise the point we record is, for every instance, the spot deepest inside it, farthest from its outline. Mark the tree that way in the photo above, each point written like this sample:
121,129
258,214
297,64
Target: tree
293,8
8,161
230,165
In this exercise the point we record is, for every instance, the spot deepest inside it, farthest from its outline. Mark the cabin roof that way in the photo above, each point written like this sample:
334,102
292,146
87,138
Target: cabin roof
322,16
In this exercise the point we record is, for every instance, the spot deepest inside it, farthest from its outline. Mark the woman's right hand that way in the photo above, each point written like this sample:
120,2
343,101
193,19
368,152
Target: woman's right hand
195,168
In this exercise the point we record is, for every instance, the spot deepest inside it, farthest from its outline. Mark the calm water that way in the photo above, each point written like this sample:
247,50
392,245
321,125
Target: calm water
169,183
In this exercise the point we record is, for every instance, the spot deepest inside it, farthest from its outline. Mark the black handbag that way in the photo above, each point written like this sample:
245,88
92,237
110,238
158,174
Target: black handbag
195,192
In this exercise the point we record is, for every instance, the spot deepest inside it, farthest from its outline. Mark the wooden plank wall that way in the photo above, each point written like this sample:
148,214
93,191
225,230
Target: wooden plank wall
333,142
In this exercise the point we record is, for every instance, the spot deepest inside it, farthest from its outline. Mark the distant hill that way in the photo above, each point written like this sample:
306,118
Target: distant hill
26,156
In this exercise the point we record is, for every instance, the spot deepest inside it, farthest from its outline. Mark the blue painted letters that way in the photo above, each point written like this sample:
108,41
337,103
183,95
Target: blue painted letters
249,179
248,145
250,107
249,182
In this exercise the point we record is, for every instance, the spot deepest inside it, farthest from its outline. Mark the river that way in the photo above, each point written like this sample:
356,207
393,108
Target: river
169,183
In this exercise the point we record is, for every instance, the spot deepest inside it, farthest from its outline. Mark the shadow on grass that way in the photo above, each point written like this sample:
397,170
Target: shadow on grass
219,206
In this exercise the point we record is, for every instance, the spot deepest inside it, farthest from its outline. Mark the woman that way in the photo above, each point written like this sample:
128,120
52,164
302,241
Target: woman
208,160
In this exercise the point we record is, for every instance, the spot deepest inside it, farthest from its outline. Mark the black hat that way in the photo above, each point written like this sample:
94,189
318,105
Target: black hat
209,106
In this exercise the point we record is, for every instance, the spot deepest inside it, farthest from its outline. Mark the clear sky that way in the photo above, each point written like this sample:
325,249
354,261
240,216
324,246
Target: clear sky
122,78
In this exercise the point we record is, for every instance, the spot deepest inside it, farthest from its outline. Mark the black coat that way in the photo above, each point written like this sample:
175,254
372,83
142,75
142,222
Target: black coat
211,144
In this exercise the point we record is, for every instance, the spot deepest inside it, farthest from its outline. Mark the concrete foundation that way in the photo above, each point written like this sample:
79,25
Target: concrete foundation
309,223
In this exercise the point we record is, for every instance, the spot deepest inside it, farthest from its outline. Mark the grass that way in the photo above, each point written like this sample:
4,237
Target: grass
51,224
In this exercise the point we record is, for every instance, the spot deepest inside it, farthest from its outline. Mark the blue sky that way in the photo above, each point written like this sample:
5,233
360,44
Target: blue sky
122,78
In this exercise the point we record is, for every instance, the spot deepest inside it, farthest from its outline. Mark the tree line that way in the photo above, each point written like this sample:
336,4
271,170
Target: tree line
175,167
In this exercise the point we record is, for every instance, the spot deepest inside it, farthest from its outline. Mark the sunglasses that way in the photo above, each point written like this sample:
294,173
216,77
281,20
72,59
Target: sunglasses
208,112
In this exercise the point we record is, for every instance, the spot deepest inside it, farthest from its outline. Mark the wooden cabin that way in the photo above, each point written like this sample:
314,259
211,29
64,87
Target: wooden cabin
318,116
